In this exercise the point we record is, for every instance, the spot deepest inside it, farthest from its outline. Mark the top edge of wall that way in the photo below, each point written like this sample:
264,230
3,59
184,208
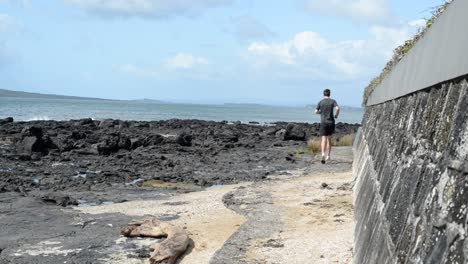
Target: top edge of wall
441,55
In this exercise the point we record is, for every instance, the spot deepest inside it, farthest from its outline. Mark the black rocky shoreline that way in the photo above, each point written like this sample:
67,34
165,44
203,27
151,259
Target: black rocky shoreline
79,155
48,168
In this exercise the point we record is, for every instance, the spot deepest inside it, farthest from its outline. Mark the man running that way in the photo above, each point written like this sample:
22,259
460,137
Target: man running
325,109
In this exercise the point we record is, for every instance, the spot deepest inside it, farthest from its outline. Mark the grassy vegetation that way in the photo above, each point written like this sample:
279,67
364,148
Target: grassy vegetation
402,50
344,141
314,145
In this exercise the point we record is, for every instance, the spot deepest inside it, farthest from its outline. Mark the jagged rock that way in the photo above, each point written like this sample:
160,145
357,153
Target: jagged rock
33,140
295,132
113,143
28,145
125,143
223,153
108,123
76,135
109,145
139,125
123,124
136,142
228,136
280,133
67,145
32,131
86,121
271,131
184,140
153,140
166,252
6,120
59,199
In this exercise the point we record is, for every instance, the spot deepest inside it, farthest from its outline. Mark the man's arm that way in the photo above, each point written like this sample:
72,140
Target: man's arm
335,104
317,109
337,111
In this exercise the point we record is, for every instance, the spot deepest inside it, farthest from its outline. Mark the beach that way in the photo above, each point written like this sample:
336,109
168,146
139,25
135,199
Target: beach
67,187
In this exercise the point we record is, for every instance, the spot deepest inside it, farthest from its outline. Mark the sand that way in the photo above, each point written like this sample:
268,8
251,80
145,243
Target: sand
315,225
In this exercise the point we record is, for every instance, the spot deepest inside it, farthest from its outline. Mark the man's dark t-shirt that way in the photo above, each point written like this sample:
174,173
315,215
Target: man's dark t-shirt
326,108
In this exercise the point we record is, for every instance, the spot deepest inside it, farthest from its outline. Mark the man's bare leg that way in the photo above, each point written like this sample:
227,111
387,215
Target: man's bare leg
329,146
324,147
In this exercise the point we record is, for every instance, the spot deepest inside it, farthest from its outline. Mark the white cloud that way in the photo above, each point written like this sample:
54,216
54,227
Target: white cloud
185,61
357,10
147,8
313,54
306,48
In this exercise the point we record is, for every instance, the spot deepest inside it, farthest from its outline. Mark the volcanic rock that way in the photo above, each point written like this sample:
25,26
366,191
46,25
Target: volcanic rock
184,140
219,153
136,142
59,199
108,123
295,132
109,145
228,136
153,140
32,131
33,140
6,120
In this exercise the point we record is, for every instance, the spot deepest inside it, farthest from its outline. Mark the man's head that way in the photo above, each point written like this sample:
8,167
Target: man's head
326,92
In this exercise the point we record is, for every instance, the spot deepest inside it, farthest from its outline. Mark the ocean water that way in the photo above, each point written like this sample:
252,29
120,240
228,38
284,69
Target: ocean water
27,109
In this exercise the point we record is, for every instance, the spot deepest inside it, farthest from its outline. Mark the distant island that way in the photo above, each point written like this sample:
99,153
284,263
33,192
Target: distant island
11,93
245,104
146,100
343,107
19,94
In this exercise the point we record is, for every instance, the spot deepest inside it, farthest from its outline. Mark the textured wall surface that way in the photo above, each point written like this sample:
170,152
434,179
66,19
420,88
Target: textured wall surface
439,56
411,169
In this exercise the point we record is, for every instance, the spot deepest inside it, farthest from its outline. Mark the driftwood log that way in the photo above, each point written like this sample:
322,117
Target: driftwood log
166,252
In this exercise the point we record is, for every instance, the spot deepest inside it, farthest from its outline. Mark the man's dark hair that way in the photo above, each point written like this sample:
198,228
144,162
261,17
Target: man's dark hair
326,92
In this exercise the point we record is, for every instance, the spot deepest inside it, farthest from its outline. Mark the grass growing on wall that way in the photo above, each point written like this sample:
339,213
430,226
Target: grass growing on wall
402,50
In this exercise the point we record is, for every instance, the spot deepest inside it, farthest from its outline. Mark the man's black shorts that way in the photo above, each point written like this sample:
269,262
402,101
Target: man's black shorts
327,129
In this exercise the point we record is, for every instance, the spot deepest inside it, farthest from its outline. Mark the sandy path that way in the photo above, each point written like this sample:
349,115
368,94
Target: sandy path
203,214
289,219
317,222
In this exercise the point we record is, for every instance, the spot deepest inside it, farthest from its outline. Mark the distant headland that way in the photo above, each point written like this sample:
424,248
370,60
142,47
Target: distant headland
11,93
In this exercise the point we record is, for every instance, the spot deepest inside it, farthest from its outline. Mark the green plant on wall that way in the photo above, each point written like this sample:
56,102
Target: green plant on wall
402,50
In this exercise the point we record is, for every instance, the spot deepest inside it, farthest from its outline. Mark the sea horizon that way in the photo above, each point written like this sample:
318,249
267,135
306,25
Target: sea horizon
35,109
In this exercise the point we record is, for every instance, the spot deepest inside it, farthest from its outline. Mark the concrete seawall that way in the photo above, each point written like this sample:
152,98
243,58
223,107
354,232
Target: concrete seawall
411,170
441,55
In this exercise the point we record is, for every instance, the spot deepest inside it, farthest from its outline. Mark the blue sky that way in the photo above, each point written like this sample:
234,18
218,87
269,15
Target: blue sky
203,51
